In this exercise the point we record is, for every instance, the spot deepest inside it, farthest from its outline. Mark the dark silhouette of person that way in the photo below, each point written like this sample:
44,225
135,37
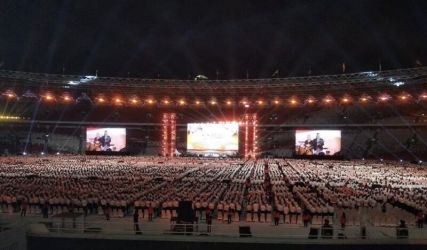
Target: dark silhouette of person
105,141
317,145
135,222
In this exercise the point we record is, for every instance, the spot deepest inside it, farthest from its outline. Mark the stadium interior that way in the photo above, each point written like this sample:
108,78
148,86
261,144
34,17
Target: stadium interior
58,164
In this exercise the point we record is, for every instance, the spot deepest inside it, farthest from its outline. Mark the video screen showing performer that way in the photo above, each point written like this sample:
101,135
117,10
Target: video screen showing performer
105,139
317,142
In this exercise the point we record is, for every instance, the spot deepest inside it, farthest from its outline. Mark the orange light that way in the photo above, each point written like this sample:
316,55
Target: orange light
10,95
197,102
244,102
181,102
383,98
345,100
150,101
166,102
213,102
101,99
328,100
228,102
134,101
364,99
67,98
293,101
49,97
118,100
260,102
276,102
310,100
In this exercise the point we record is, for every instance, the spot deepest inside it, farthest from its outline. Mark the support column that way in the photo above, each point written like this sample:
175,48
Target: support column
250,128
168,137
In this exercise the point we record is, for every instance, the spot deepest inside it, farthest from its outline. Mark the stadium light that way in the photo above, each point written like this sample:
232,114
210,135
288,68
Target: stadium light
134,101
346,99
66,98
48,97
328,99
150,101
384,98
293,101
310,100
10,95
365,98
404,96
6,117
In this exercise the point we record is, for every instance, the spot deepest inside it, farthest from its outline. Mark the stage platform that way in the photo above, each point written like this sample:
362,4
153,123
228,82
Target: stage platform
118,233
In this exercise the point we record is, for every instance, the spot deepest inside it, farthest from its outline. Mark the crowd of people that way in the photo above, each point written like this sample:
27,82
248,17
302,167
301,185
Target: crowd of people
230,190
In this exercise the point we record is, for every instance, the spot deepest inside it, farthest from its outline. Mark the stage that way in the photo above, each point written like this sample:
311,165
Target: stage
156,235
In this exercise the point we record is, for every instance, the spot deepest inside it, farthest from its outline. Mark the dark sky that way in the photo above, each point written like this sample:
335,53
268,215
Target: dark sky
178,39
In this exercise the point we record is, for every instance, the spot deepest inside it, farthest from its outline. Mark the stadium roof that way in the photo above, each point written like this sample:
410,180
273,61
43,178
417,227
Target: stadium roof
411,78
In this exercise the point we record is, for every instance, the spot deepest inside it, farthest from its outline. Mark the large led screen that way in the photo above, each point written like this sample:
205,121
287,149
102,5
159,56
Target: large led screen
222,138
317,142
105,139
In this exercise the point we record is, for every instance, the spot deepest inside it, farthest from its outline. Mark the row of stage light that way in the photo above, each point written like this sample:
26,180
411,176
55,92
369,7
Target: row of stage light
134,100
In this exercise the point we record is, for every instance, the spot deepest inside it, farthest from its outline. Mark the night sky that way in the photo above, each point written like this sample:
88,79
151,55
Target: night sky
180,39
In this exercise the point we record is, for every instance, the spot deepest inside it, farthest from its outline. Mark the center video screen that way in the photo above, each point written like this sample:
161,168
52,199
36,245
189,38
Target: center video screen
317,142
213,138
105,139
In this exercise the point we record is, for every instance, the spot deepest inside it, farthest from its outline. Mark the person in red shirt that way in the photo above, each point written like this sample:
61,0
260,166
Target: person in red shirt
306,218
150,213
276,216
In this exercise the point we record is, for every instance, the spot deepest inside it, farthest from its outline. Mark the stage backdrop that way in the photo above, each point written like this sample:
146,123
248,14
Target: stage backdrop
317,142
105,139
205,138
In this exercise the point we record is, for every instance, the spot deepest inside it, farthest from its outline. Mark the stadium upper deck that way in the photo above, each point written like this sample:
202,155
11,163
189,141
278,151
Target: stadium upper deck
412,79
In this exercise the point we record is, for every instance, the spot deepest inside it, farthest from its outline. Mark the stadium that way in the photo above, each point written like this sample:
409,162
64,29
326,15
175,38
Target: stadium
306,161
